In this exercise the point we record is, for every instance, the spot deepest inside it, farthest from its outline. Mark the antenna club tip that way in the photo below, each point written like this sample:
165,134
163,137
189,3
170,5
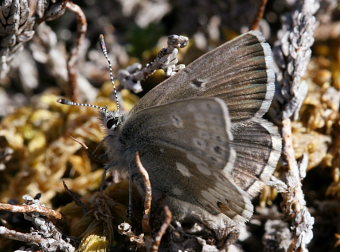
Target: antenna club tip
102,43
63,101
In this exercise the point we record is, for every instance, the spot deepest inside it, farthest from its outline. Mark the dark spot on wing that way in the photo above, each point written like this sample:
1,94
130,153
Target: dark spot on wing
196,83
218,149
223,207
177,121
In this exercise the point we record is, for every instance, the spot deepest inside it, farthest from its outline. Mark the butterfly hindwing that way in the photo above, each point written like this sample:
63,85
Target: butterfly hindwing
186,148
258,146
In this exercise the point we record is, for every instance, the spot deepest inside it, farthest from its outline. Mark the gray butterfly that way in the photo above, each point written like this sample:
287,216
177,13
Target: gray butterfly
201,135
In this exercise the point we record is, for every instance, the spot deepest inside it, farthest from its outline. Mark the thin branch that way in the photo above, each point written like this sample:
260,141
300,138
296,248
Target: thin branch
161,232
31,209
292,54
125,229
80,142
71,64
256,23
131,77
148,195
18,236
44,234
294,203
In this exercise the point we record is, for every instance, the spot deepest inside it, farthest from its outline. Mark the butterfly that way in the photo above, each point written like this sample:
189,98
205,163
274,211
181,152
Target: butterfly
201,134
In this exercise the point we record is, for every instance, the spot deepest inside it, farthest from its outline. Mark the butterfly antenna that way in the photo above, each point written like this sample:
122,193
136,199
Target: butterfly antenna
103,47
67,102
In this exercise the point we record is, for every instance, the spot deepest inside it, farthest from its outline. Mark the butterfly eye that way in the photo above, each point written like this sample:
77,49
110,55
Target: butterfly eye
112,122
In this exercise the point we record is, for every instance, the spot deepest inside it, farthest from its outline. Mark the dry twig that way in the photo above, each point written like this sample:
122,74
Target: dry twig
80,142
293,53
71,64
18,236
45,234
148,195
18,22
256,23
125,229
49,213
166,59
142,240
164,227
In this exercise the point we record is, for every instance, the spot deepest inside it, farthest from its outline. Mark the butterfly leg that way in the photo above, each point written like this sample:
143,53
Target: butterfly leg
106,168
102,185
130,210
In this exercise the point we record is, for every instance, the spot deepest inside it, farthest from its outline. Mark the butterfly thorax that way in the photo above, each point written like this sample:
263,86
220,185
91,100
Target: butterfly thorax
113,121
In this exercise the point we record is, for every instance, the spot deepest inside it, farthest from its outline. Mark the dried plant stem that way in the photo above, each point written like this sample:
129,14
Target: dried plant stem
31,209
80,142
131,77
125,229
71,64
18,236
292,52
294,203
288,151
161,232
148,195
150,243
256,23
44,233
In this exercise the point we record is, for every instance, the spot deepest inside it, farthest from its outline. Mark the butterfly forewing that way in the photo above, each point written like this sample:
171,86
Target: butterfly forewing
239,72
186,148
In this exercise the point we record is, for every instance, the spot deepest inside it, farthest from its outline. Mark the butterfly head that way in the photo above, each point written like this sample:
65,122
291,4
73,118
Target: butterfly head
112,119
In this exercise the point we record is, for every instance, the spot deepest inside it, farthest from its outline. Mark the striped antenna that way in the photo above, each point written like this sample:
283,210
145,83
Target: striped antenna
103,47
67,102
